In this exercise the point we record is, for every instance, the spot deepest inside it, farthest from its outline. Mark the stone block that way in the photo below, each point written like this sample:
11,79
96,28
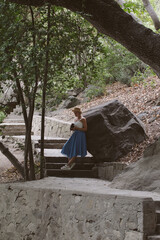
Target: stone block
44,212
133,236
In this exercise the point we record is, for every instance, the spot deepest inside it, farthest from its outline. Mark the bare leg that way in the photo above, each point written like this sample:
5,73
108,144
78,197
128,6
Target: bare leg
71,161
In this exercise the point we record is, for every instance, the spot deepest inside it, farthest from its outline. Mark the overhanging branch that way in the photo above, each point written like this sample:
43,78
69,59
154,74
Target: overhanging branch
108,17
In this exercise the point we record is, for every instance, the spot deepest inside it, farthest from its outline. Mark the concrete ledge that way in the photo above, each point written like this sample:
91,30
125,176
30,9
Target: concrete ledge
58,208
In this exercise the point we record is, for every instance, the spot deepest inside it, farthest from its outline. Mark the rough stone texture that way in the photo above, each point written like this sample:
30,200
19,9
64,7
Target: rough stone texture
143,174
70,102
53,127
108,170
44,211
112,131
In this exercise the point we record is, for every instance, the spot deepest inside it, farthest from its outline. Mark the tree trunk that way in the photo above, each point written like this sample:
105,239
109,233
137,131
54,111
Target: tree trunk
12,159
20,92
108,17
44,94
152,13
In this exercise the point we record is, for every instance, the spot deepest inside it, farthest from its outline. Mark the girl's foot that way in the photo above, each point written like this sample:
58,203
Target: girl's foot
66,167
72,166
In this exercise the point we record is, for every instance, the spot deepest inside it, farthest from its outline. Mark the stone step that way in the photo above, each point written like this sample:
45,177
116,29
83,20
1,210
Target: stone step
13,129
54,140
62,159
53,145
72,173
158,216
157,205
6,130
158,228
17,110
12,120
155,237
18,133
85,166
13,126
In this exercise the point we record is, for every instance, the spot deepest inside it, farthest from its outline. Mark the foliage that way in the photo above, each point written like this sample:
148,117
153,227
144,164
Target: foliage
121,65
141,76
78,54
2,116
137,8
94,91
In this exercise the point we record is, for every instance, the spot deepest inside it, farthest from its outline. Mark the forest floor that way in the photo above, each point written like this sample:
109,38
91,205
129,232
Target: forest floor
142,99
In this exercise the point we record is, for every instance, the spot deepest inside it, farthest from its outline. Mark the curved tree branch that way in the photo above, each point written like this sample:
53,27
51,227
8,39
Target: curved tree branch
108,17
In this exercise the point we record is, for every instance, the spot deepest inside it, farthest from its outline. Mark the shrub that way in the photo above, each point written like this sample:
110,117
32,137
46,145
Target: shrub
2,116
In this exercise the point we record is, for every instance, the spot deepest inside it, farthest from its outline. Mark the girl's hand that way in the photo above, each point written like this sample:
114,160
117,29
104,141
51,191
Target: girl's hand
73,129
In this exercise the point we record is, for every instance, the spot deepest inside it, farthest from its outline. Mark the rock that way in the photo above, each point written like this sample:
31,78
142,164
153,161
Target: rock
90,92
142,175
74,92
112,131
70,102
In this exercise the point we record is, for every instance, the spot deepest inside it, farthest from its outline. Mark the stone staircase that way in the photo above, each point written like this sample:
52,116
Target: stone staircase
157,232
54,160
13,128
14,124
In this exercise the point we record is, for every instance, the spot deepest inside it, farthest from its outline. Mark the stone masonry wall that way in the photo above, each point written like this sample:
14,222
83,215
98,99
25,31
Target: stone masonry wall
54,214
53,127
108,170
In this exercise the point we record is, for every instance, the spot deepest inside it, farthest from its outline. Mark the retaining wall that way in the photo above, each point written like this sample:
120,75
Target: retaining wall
45,213
53,127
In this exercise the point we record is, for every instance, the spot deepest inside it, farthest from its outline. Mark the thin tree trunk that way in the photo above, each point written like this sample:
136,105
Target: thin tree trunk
29,144
12,159
152,13
26,170
44,94
32,101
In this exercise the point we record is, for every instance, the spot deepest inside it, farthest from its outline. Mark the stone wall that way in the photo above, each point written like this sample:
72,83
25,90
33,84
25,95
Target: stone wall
53,127
45,213
108,170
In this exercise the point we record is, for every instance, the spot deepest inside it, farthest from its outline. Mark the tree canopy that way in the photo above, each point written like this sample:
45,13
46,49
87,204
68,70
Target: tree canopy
109,18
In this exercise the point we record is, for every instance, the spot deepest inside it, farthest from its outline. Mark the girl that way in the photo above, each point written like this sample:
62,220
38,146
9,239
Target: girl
76,144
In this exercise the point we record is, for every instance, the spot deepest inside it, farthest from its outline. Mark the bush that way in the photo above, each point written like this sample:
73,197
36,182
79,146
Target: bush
121,65
94,91
2,116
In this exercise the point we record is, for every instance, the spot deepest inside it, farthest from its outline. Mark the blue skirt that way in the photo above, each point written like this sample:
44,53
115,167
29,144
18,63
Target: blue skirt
76,145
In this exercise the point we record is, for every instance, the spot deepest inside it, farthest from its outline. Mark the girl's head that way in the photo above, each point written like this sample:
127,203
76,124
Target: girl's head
77,112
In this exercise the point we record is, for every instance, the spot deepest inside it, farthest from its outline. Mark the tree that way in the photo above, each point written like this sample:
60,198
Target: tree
148,7
34,48
152,13
109,18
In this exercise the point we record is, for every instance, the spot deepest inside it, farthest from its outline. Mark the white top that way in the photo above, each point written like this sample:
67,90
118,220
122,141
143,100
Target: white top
78,124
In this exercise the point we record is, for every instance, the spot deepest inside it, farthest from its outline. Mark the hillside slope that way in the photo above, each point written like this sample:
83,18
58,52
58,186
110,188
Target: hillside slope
141,99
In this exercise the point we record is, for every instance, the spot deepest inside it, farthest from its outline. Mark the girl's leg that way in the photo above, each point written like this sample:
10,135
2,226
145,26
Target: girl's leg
71,161
70,164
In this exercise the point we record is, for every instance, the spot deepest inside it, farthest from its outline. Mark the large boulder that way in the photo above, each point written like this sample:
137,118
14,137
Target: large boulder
112,131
